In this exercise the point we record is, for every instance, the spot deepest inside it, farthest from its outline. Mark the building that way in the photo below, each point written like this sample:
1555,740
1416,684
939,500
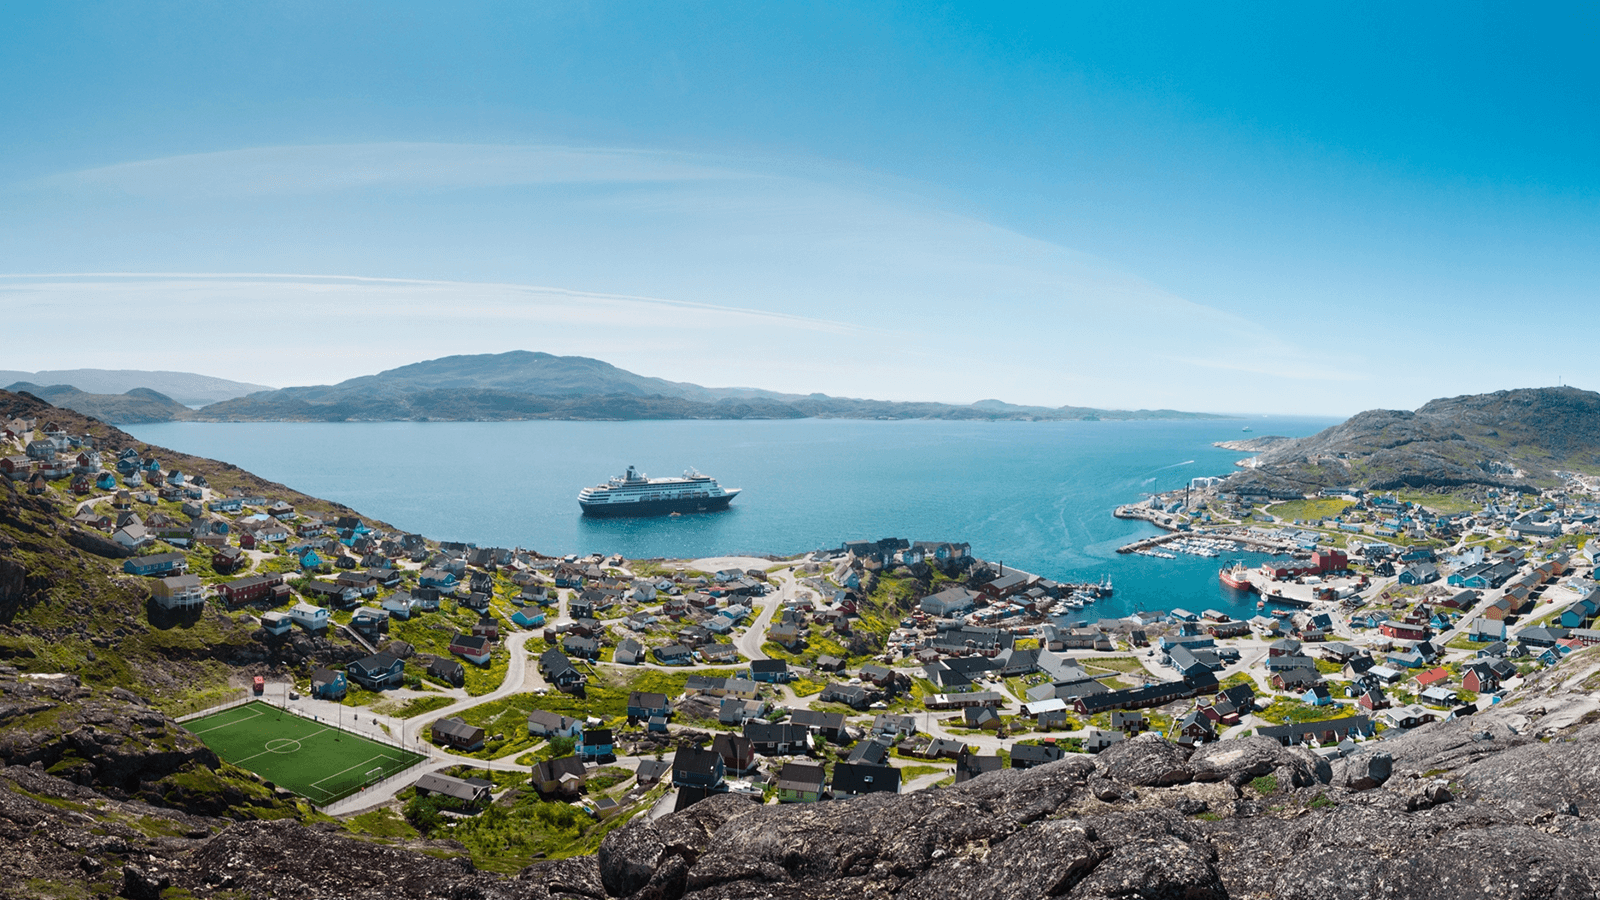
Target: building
376,672
454,732
467,792
800,782
178,592
854,779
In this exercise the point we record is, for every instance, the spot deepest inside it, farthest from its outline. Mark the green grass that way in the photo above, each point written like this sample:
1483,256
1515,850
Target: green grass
312,759
417,706
1310,510
1284,711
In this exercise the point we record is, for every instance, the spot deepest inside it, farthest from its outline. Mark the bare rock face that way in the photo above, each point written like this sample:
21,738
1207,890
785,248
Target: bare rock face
1145,761
1363,771
1239,761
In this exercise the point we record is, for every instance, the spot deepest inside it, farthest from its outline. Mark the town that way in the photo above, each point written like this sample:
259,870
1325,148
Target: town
625,687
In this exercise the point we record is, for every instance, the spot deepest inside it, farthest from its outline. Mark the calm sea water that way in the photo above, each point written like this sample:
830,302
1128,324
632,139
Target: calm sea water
1036,495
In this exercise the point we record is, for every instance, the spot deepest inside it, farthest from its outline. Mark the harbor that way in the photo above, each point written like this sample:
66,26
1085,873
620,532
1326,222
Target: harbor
1221,540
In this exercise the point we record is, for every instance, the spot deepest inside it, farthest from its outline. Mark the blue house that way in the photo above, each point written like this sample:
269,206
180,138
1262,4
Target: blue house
1318,696
596,743
528,618
106,482
311,560
1578,613
158,564
771,671
328,684
437,578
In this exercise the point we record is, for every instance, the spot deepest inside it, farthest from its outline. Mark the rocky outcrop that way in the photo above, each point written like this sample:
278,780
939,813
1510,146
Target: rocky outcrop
1467,808
113,741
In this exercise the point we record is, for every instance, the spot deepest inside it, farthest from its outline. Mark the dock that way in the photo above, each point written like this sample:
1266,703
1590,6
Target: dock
1251,541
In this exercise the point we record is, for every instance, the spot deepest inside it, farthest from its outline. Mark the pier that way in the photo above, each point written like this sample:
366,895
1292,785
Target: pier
1246,539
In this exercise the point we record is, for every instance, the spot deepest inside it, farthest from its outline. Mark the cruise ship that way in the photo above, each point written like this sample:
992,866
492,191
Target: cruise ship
636,494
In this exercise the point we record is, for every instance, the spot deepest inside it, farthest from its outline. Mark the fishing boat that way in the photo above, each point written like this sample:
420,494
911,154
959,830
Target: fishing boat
1236,576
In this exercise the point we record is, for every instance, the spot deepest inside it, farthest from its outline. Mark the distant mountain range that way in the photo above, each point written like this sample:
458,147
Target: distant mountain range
186,388
527,385
1519,439
134,407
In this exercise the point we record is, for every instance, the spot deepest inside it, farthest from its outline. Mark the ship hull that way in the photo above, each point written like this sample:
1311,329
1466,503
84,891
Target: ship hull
645,508
1238,583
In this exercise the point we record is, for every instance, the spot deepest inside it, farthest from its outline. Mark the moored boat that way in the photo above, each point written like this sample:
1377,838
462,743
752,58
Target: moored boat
1236,576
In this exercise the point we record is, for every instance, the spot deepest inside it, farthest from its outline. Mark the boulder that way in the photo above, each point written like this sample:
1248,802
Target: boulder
1363,771
1238,761
628,857
1145,761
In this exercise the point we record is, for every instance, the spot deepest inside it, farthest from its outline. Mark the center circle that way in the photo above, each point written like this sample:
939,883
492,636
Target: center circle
283,745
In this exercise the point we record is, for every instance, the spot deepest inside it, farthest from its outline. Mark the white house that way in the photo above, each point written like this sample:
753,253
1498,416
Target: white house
311,617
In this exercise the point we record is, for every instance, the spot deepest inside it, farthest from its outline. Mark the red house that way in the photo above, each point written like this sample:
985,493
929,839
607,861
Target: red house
1330,561
1480,679
1404,631
249,590
1433,677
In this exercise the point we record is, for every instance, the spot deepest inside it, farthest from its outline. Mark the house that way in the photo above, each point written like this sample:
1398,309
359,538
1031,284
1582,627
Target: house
157,565
1439,696
1480,678
854,779
645,704
328,684
1026,756
336,594
1486,630
370,621
799,782
829,725
1193,728
1419,573
596,744
855,696
1372,699
581,647
564,775
448,671
311,618
738,752
376,672
891,725
769,671
1326,733
559,670
970,765
697,768
467,792
651,771
949,602
673,655
779,739
276,623
474,648
1098,740
629,652
178,592
455,733
1409,716
1433,677
1317,695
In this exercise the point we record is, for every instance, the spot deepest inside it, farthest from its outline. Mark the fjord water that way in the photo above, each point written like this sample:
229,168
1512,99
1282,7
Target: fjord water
1035,495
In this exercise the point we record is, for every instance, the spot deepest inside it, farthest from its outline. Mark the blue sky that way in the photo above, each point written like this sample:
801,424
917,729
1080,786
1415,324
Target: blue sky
1302,210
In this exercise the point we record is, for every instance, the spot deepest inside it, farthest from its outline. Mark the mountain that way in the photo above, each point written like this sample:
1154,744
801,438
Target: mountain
186,388
527,385
131,408
1518,439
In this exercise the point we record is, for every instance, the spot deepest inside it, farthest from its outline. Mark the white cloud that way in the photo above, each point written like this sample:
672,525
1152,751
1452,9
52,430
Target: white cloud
689,268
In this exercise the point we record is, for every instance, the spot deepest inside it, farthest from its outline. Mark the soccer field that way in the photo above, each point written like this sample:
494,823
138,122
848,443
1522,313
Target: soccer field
313,759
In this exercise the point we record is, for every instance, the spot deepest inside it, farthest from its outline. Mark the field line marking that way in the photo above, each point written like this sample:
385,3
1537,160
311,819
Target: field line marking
254,714
356,766
264,752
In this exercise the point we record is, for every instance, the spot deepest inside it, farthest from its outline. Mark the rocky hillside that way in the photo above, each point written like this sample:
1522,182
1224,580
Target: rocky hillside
1509,439
1501,805
131,408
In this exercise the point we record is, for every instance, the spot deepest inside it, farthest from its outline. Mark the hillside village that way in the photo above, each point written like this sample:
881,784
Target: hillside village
620,686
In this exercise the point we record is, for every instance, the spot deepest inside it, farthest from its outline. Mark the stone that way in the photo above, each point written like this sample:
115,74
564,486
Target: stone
1363,771
1147,760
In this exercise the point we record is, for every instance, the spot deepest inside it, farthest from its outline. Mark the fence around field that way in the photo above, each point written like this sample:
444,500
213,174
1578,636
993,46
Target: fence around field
381,739
244,696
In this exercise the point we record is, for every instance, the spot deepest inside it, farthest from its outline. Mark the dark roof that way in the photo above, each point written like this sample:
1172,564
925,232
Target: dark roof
862,778
1035,754
696,761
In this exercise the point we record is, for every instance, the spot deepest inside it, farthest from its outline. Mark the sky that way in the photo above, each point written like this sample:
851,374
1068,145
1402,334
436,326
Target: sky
1289,208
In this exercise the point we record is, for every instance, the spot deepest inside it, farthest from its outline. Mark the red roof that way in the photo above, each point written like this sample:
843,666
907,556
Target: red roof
1433,676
